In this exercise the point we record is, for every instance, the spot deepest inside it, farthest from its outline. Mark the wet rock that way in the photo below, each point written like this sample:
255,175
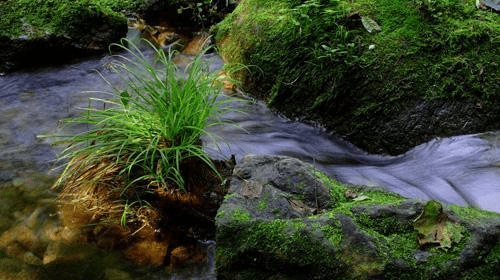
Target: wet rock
488,4
200,42
67,252
373,238
279,176
12,269
148,252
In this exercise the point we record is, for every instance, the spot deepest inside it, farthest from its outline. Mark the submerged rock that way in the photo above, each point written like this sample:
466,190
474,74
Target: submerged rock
262,234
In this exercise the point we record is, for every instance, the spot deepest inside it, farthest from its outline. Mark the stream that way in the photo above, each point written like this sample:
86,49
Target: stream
462,170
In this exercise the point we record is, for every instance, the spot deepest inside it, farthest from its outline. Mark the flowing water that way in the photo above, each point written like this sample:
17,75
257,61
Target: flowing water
463,170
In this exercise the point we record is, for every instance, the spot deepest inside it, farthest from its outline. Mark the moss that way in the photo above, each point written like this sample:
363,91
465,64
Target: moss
295,251
40,18
374,196
130,5
241,215
395,239
361,266
399,242
473,215
220,214
262,205
265,19
230,196
426,50
322,246
331,232
263,201
491,264
337,190
385,224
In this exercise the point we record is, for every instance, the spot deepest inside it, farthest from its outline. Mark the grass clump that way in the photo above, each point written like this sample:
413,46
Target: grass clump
153,124
143,144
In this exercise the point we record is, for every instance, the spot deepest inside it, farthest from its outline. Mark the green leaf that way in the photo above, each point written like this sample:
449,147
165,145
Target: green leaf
124,98
436,228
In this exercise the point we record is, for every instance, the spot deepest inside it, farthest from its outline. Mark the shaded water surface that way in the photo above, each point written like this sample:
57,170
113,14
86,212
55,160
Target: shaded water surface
462,170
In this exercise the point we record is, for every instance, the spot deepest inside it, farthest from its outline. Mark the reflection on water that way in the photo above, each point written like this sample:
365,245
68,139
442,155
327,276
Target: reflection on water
462,170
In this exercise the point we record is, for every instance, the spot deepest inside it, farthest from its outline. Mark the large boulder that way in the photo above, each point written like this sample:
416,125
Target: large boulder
35,32
282,219
430,70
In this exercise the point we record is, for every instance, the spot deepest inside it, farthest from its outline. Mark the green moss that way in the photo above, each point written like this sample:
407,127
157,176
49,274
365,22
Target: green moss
305,248
385,225
373,196
130,5
332,233
51,17
262,205
361,266
257,20
399,242
230,196
473,215
263,201
491,264
286,242
336,189
241,215
220,214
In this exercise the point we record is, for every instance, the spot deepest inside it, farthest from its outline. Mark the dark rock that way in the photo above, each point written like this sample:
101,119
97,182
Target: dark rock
257,174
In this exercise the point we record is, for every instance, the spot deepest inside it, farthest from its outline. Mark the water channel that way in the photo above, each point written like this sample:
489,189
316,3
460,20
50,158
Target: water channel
463,170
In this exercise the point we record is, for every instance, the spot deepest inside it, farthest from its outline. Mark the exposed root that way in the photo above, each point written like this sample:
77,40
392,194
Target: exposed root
147,221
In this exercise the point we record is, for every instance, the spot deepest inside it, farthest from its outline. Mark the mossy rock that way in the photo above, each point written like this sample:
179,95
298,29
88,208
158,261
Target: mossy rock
36,32
430,71
365,234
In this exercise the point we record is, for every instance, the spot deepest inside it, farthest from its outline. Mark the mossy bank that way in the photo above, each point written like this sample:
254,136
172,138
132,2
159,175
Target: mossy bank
35,32
41,32
270,227
386,75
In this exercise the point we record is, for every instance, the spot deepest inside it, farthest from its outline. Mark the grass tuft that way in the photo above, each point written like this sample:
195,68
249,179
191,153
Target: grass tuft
153,123
141,139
